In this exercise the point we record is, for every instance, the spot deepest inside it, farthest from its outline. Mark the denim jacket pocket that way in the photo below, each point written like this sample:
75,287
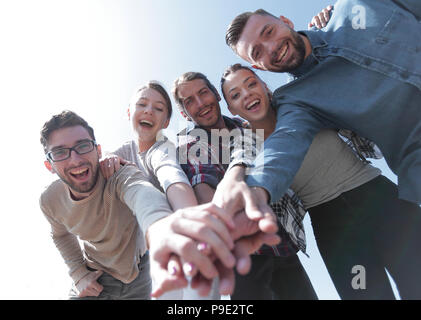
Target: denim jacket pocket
397,35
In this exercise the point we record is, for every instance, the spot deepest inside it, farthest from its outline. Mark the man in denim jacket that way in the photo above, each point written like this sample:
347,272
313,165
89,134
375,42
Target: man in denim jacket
362,72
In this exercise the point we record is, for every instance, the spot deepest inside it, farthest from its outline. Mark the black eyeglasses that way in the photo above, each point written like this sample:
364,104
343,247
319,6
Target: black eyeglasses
64,153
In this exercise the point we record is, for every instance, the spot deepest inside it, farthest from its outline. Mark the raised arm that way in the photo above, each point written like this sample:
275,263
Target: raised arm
178,233
163,163
284,150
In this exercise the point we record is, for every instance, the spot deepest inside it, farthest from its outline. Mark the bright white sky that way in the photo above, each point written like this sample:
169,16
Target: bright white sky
89,56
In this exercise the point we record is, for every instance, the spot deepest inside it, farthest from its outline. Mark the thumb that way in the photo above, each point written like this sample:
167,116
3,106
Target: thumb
123,162
268,223
98,274
252,205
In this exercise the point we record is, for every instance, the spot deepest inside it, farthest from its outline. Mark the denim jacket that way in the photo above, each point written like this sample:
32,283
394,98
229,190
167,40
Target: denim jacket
364,75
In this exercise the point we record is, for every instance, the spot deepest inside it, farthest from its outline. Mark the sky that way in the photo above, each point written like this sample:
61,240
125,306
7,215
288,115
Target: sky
89,57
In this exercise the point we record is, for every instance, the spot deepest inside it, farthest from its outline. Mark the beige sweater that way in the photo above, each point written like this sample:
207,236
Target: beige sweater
104,222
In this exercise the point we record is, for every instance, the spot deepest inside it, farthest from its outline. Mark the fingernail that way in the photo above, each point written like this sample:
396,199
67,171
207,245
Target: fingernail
202,246
173,270
188,268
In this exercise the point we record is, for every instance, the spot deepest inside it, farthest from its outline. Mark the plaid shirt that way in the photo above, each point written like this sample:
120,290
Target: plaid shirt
362,147
212,171
289,210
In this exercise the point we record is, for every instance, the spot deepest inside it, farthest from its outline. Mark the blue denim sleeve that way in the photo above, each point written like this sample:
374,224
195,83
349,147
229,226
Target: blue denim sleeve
284,150
413,6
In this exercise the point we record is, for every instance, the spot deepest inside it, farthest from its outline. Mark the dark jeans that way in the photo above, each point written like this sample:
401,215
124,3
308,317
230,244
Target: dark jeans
274,278
370,227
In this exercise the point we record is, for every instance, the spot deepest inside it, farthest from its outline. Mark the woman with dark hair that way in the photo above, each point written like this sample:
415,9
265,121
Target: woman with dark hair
360,225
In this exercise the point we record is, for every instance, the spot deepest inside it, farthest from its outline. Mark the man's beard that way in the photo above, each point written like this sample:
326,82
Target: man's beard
297,59
213,124
86,186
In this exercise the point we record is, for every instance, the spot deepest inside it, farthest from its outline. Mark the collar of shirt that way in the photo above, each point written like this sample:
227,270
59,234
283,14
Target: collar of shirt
312,60
230,123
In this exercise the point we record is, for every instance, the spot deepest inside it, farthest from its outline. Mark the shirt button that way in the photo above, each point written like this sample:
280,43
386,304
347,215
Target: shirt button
404,75
382,40
367,61
335,50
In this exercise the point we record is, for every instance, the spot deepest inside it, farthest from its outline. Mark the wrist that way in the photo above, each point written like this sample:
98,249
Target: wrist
261,193
237,172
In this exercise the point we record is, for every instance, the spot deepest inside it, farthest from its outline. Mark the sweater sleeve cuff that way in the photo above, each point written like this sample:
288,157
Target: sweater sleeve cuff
79,273
148,221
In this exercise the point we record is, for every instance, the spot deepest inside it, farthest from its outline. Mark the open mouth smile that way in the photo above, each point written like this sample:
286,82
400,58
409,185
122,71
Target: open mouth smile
283,52
253,105
205,112
79,174
146,123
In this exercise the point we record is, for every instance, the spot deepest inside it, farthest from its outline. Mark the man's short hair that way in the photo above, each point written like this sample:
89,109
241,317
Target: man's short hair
186,77
65,119
236,27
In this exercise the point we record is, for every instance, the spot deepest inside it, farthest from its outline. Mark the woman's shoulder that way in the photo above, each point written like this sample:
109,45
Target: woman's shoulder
127,150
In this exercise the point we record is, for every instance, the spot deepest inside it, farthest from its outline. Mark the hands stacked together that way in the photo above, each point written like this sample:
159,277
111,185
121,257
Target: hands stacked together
210,240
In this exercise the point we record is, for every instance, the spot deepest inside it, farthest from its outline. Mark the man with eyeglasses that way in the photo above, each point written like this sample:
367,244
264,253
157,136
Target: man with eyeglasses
114,263
111,216
119,219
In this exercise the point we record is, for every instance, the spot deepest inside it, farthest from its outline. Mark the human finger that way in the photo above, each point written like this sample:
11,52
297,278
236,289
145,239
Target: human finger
98,273
124,161
204,248
322,19
326,15
219,212
202,285
95,286
186,249
205,214
164,281
248,245
166,268
103,165
226,279
251,204
189,269
115,163
316,21
201,232
175,266
88,292
244,226
268,223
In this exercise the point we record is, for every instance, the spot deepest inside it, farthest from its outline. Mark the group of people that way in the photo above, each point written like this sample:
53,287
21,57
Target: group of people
186,216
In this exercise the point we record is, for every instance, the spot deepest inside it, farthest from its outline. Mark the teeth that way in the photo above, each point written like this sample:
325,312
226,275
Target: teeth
146,122
252,104
80,171
204,113
283,52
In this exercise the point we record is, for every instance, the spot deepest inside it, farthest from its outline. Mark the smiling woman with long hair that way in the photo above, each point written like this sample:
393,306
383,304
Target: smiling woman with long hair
356,215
